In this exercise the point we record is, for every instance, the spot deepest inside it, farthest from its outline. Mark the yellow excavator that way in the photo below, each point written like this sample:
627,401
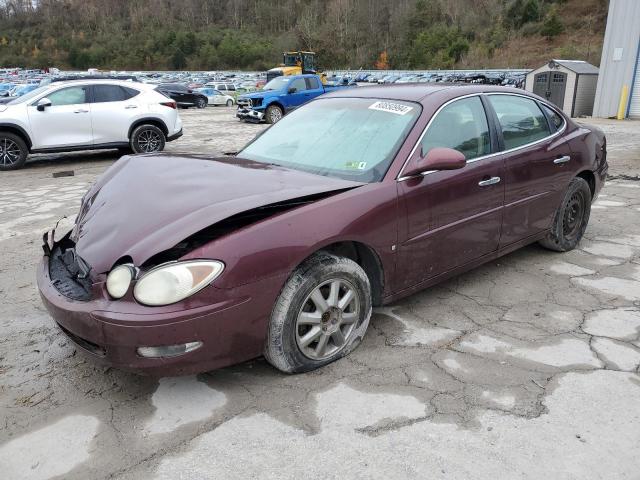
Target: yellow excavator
296,63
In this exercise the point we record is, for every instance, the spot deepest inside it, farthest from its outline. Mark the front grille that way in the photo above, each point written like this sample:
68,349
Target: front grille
69,273
244,102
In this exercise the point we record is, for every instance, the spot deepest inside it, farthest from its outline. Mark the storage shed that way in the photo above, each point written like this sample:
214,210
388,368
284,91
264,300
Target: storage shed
570,84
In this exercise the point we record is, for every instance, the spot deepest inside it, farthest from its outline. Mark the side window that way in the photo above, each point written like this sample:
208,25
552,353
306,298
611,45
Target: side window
130,92
231,87
108,93
312,83
461,125
521,120
298,84
68,96
222,88
556,120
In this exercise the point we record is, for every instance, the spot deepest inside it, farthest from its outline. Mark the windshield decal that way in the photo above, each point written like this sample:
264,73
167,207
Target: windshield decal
391,107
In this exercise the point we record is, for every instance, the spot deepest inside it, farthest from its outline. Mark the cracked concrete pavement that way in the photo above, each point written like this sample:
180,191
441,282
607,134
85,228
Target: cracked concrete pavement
526,367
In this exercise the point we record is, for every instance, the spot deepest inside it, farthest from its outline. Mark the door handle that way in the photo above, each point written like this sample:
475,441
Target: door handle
80,110
489,181
561,160
131,106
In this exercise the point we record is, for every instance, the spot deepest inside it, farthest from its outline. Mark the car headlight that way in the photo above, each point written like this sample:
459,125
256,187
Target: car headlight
173,282
119,279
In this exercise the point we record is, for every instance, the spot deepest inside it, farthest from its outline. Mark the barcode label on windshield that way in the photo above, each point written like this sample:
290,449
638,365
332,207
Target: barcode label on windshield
391,107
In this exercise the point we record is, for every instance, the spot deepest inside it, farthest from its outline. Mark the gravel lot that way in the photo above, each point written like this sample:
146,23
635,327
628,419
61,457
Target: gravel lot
527,367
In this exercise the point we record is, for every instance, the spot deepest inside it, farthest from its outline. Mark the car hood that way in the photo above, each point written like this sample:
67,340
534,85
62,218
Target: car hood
261,94
145,204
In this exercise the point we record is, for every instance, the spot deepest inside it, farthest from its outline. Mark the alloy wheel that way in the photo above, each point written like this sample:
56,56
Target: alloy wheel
149,141
9,152
275,115
327,319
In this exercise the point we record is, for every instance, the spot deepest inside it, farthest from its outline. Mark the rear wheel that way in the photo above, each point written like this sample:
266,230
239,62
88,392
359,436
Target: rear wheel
147,139
229,103
201,103
273,114
321,314
13,151
571,218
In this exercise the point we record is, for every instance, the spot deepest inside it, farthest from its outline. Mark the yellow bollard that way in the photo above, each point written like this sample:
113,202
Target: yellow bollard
622,107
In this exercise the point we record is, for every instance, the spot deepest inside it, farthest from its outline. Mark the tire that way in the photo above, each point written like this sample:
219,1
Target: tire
201,103
571,218
229,103
273,114
303,336
147,138
13,151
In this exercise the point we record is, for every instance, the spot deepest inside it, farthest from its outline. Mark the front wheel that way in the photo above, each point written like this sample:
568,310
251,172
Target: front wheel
321,314
147,139
201,103
13,151
229,103
273,114
571,218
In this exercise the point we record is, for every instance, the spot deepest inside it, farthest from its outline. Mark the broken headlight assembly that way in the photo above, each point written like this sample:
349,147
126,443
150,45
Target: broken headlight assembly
172,282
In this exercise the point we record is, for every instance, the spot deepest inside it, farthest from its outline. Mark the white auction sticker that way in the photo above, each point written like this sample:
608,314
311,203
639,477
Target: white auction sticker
391,107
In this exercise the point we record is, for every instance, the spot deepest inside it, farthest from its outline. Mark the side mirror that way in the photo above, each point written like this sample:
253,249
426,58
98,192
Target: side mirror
439,158
43,103
292,90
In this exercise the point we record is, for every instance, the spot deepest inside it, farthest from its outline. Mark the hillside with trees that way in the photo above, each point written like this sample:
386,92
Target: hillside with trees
251,34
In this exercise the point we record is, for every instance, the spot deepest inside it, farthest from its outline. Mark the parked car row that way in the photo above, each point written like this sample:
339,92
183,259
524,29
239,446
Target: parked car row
515,78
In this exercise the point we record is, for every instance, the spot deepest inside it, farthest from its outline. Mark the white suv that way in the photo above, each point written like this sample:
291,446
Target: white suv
86,115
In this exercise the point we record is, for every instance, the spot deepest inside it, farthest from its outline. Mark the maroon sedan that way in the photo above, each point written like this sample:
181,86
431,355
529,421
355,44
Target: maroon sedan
361,197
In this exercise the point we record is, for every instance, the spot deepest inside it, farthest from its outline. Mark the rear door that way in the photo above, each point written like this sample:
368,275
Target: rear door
453,217
66,123
537,165
113,109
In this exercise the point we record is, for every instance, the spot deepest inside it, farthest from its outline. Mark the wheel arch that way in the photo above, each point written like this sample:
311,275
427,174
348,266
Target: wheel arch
277,104
590,178
148,120
17,130
366,257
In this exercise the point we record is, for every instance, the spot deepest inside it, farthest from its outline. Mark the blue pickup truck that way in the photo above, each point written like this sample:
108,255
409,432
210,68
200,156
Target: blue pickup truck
279,97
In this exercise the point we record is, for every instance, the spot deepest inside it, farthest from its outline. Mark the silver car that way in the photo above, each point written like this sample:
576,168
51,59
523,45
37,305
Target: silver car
215,97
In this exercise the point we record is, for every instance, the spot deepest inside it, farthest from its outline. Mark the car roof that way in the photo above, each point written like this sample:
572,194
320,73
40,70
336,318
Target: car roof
123,83
419,92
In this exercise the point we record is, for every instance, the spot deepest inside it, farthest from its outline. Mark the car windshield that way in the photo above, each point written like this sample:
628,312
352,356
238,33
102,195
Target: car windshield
277,83
349,138
28,96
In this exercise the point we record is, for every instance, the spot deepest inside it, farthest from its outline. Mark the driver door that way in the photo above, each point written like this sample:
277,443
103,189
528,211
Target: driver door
300,95
454,216
66,123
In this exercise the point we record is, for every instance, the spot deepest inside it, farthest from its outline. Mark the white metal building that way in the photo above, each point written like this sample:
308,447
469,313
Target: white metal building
620,62
570,84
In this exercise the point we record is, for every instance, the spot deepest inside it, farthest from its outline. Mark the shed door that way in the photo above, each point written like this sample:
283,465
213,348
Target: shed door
551,85
634,105
557,86
540,82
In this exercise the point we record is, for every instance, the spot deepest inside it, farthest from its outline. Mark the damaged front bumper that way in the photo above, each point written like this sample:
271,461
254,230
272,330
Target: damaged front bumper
249,114
230,324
